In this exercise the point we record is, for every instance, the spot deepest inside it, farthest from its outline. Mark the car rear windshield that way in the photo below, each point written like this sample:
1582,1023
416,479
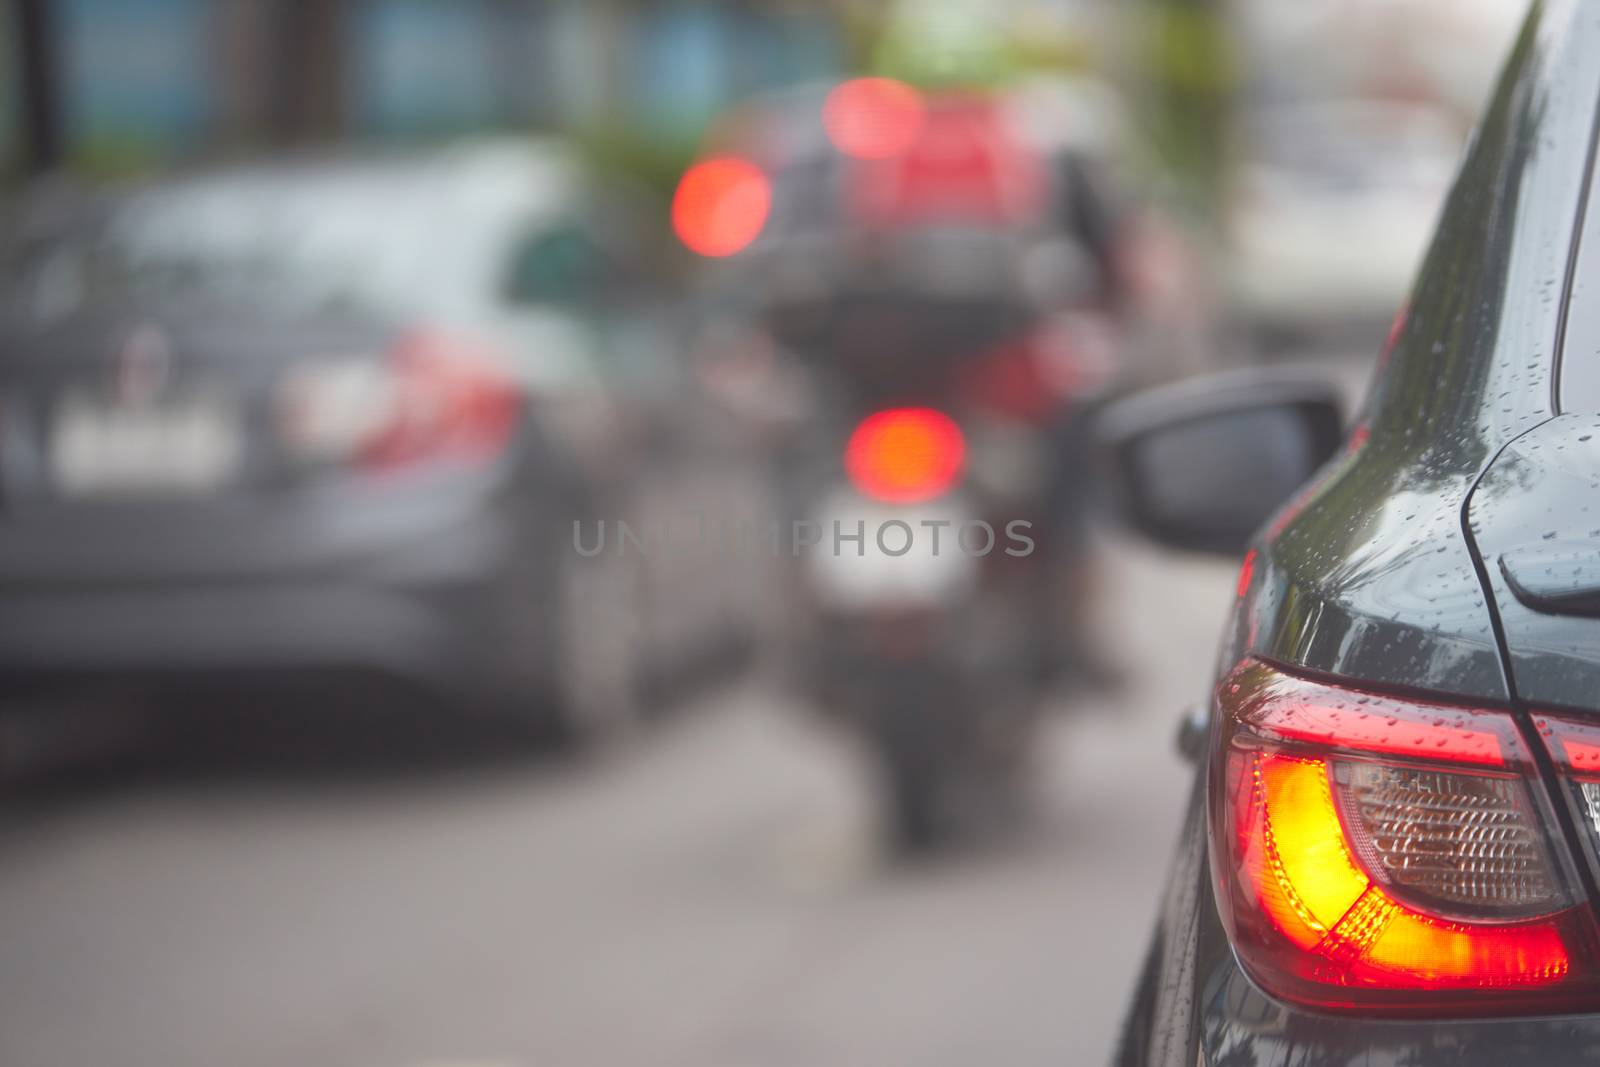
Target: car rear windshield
378,244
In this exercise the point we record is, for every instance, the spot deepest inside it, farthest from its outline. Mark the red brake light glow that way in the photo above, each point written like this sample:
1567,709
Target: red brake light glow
906,455
965,165
433,398
721,206
1390,855
449,401
1247,574
873,118
1575,747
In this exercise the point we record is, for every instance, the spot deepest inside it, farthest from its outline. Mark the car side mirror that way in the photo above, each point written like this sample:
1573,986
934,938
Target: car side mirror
1202,464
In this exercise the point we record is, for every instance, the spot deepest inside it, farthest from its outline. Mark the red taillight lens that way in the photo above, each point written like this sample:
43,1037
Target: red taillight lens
965,165
721,206
1390,855
433,399
1575,747
906,455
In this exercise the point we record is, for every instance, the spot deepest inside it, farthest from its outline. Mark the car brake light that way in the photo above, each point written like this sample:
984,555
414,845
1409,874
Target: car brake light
1575,747
433,399
721,206
965,166
1390,855
906,455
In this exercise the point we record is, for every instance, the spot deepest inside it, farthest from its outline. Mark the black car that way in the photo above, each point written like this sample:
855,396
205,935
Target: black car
1392,855
364,419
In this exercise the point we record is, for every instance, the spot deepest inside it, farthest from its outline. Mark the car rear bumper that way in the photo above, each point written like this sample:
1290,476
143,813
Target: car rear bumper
223,629
444,614
1239,1023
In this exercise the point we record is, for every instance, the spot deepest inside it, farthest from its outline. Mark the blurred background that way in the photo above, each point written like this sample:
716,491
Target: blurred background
471,483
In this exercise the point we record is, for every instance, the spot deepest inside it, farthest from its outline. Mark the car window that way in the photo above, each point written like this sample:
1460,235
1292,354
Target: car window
381,244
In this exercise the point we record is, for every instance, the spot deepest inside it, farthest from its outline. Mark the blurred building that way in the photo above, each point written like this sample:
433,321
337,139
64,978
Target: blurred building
146,81
1444,52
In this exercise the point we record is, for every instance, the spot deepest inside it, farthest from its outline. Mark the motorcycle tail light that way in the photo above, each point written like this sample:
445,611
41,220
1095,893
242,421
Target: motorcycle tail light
906,455
1391,855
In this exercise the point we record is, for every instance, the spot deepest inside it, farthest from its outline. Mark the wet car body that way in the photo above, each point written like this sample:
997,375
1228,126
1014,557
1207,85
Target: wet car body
1446,551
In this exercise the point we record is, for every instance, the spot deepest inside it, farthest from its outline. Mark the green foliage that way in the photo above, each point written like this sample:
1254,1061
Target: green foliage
654,163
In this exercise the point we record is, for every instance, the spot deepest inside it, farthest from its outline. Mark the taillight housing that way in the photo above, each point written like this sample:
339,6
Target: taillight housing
433,399
1391,856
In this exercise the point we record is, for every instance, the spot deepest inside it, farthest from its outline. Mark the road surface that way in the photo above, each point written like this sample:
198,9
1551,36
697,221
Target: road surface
712,896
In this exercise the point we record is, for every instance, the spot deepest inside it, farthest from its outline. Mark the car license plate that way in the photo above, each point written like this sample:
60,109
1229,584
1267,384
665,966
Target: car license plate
898,561
174,447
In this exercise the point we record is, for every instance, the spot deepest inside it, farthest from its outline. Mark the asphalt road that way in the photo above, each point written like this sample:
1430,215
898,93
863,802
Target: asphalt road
712,896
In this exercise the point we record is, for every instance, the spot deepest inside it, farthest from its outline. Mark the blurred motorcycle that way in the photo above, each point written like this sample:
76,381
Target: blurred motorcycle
925,326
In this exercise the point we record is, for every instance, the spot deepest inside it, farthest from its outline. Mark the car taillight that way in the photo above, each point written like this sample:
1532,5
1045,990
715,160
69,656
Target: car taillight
1575,748
906,455
1391,855
964,166
721,206
432,399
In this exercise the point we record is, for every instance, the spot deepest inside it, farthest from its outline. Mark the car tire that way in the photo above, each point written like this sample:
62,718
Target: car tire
915,760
